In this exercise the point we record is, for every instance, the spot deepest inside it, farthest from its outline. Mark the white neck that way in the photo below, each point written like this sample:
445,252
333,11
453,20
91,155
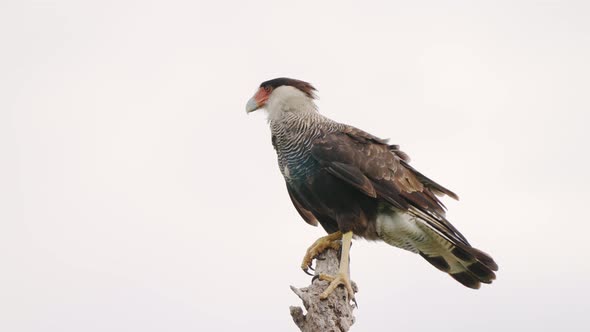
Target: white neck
287,99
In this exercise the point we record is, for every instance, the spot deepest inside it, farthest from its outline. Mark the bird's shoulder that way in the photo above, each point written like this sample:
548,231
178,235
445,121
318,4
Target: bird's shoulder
353,145
375,158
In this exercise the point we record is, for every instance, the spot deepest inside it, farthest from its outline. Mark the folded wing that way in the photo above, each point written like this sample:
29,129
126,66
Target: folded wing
381,170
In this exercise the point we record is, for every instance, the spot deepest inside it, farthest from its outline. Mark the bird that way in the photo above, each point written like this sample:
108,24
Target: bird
357,185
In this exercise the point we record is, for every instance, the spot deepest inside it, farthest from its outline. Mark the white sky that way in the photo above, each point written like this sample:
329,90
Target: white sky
137,195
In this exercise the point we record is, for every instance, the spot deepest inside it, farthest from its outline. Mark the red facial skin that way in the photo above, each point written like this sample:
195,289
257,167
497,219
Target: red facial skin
261,96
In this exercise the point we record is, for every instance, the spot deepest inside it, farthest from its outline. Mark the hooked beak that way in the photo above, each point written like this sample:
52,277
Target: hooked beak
252,105
258,100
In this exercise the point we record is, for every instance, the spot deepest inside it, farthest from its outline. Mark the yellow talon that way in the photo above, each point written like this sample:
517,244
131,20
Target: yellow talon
321,244
342,278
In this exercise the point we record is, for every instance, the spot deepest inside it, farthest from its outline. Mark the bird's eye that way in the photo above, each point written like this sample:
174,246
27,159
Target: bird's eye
268,88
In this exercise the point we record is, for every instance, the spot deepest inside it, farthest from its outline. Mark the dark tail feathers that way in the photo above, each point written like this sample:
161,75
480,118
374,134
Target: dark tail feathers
467,265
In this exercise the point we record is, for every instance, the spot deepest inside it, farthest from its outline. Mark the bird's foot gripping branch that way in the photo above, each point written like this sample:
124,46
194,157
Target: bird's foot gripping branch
343,276
335,312
321,244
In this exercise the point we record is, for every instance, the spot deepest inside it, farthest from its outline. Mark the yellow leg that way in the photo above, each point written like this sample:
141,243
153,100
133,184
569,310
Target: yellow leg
321,244
342,278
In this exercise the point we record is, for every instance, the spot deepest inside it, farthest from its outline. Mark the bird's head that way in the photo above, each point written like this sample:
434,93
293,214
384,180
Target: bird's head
274,94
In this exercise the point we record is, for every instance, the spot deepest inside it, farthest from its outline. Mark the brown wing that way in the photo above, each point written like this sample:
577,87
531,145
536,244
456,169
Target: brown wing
307,215
302,204
381,170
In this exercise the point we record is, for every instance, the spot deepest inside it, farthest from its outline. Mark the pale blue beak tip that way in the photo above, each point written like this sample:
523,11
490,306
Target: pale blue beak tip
252,105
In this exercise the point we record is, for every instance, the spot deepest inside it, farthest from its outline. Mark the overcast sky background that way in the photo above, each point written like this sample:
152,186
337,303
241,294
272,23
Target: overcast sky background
137,195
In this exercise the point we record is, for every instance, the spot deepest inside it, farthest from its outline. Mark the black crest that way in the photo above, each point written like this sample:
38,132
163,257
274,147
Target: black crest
304,87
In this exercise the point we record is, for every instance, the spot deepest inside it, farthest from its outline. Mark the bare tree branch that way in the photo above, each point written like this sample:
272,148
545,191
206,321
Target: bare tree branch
331,315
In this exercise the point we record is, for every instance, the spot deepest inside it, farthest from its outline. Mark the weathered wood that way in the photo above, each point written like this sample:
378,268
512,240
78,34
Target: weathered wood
333,314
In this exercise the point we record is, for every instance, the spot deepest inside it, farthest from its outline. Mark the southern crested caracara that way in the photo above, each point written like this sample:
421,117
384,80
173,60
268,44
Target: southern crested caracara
353,183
